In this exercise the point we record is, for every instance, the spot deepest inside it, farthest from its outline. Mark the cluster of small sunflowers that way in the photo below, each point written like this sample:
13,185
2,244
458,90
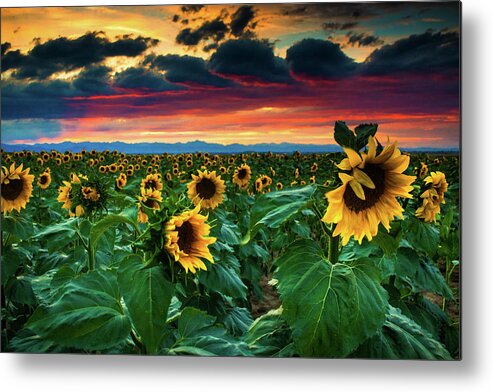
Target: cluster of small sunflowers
81,196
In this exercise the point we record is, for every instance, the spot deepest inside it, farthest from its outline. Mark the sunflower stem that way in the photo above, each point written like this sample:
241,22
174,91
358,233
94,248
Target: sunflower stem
333,249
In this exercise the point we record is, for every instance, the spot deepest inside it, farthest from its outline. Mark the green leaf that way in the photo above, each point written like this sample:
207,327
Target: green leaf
270,336
12,258
222,278
331,308
422,236
273,209
147,295
429,278
237,321
87,316
104,224
363,132
402,338
343,135
199,336
58,236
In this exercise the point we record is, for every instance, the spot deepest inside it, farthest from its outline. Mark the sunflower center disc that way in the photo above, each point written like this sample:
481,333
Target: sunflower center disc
151,184
13,189
43,180
206,188
186,237
151,203
242,174
354,203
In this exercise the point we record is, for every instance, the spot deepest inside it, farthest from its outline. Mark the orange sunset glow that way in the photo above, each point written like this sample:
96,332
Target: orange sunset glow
263,73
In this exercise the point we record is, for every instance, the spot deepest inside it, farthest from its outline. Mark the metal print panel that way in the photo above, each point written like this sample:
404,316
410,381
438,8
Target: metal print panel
268,180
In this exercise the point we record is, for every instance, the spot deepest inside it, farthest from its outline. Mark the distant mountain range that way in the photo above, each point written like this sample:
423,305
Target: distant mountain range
192,147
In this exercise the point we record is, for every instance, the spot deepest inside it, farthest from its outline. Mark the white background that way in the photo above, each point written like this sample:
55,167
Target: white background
474,373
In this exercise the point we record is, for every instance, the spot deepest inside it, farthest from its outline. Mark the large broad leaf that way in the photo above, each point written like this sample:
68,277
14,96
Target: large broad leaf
58,236
421,235
429,278
199,336
273,209
87,316
224,276
270,336
402,338
344,136
105,224
237,321
331,308
363,132
147,295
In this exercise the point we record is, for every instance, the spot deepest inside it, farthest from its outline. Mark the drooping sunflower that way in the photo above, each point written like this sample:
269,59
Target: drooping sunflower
242,176
423,171
368,194
206,189
430,207
44,180
149,198
433,196
16,189
121,181
187,239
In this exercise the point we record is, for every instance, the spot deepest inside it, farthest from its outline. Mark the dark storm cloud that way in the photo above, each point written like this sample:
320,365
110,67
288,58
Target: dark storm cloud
335,26
428,52
215,30
363,39
249,59
319,59
186,69
240,19
340,10
140,78
191,9
5,47
66,54
94,80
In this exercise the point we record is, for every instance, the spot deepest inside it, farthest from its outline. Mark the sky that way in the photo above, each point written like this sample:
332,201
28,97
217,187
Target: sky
262,73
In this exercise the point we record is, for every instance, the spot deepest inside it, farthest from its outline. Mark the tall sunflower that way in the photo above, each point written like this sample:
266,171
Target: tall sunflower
368,194
187,239
242,176
16,189
206,189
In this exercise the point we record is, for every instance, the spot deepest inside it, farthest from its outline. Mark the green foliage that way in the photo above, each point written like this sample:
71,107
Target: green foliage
88,315
402,338
270,336
331,308
198,335
147,295
273,209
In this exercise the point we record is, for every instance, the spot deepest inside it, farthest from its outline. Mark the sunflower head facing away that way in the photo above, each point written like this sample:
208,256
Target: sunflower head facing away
368,195
206,189
242,176
187,240
44,180
16,188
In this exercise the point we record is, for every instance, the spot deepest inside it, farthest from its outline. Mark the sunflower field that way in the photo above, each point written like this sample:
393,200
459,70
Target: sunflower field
340,255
